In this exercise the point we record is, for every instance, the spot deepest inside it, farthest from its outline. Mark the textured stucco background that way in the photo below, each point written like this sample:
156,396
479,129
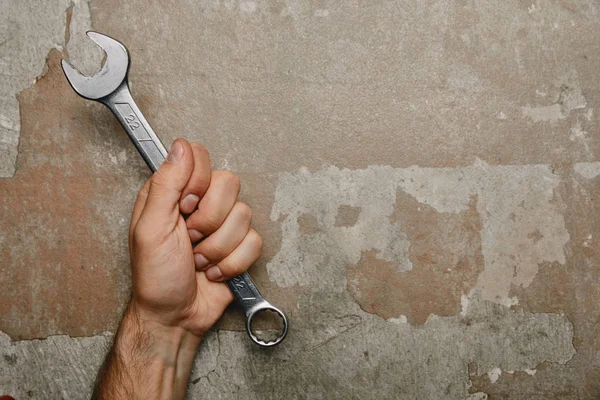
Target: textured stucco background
425,175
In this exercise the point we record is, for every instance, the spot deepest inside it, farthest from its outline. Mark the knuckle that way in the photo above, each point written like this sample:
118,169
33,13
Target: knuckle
158,181
230,179
233,268
199,182
146,188
244,210
200,149
217,251
210,223
196,186
256,240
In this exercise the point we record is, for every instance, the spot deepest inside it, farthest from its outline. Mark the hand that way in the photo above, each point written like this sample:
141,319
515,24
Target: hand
174,283
178,289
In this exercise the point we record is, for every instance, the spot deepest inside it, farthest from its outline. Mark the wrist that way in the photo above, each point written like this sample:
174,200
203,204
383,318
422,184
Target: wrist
147,360
159,339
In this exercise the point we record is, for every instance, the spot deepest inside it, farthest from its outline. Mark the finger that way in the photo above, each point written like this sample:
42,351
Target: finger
216,204
194,235
138,207
239,260
199,181
222,242
167,184
217,295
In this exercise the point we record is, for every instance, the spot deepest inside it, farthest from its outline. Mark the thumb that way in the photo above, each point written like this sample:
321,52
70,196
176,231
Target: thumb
167,183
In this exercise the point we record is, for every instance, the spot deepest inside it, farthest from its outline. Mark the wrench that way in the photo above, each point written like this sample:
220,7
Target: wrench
110,86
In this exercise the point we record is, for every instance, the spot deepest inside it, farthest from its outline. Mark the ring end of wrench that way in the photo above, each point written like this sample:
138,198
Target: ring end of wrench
262,308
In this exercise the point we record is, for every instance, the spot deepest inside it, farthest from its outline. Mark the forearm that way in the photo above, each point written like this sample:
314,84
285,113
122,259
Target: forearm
147,361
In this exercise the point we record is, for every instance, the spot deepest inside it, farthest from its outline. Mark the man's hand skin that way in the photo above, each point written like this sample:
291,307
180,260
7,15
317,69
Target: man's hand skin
178,289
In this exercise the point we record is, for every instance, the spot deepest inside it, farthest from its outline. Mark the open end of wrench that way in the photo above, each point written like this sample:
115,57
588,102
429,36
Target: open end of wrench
109,78
274,329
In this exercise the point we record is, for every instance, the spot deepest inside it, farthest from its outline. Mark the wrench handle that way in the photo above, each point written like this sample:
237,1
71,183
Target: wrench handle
122,105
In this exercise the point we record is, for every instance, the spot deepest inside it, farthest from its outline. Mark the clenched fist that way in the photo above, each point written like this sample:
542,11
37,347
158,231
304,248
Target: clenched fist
178,267
174,282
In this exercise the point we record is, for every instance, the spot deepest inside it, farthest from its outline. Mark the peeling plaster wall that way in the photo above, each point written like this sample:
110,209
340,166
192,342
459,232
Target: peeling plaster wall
58,367
28,30
522,226
425,175
394,355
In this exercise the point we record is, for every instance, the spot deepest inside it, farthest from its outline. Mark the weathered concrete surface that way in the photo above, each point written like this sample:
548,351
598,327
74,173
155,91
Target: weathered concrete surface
58,367
393,357
69,201
28,29
425,175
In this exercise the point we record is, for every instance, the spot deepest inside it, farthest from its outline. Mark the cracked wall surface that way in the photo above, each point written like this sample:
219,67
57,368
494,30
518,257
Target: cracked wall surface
425,175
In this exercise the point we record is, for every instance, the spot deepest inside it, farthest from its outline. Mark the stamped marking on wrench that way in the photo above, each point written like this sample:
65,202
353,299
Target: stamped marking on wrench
132,121
110,87
243,289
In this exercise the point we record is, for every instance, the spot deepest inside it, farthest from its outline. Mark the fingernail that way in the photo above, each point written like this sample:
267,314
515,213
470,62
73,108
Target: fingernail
200,261
189,202
175,153
214,273
194,235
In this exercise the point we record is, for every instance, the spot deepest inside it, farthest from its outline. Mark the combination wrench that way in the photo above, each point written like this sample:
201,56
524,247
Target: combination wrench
110,86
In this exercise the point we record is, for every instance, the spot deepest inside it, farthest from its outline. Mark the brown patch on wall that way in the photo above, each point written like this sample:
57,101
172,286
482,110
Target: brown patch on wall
308,224
63,267
446,255
568,288
571,289
536,236
347,216
549,291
